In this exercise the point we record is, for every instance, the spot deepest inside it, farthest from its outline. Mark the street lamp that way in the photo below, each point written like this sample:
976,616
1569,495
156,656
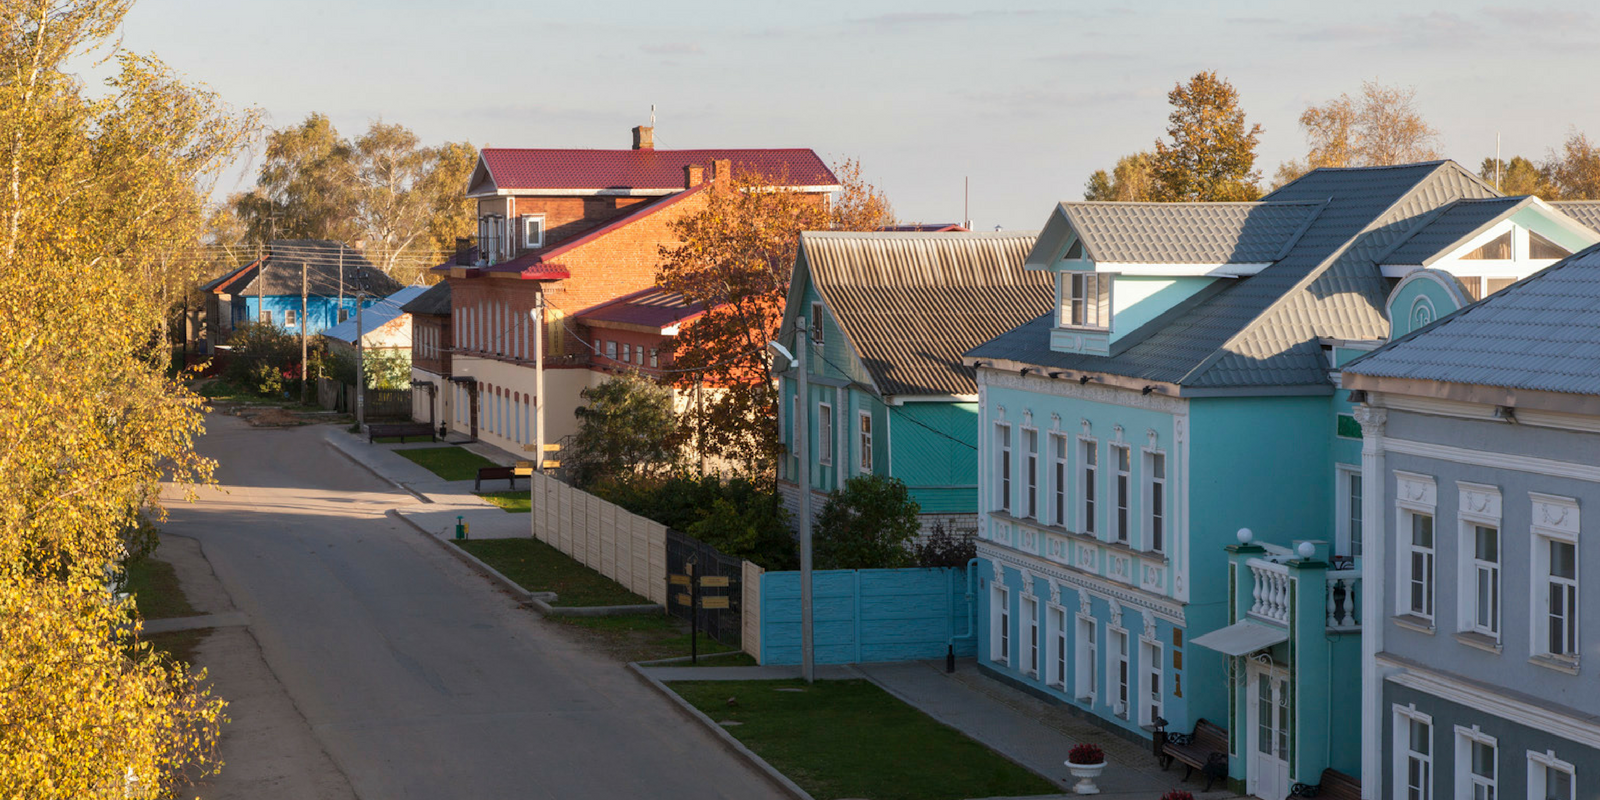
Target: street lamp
807,659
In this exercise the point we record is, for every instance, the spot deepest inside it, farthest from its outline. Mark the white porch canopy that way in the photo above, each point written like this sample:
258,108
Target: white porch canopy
1240,638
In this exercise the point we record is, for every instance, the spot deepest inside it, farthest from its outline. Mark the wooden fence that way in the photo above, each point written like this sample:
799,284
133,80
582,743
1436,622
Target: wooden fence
620,545
750,641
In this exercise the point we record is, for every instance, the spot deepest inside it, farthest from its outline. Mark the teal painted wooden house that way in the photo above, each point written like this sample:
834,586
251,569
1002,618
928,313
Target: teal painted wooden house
889,315
1184,387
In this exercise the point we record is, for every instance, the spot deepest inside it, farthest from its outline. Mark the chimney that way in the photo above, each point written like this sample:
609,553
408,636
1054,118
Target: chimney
693,175
722,171
644,138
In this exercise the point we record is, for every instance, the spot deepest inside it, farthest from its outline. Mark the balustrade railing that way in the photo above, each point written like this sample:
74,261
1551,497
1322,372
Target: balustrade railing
1344,591
1270,591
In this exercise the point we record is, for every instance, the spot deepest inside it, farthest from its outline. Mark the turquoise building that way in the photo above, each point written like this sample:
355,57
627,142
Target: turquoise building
1184,387
888,316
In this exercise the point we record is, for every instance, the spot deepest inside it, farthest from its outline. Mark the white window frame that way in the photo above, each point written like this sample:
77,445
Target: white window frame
530,241
825,434
1060,479
1539,765
794,432
1000,624
1469,782
1087,656
290,318
1030,614
1417,496
1030,458
1554,520
627,352
1073,292
1002,465
817,320
1056,646
1404,716
1348,533
611,350
864,437
1152,681
1479,506
264,316
1122,469
1119,673
1156,515
1088,483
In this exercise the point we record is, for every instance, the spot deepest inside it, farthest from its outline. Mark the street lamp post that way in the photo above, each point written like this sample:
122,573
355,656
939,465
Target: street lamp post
801,445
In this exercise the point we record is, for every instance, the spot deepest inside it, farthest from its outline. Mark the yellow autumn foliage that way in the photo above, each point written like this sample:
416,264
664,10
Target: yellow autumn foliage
102,189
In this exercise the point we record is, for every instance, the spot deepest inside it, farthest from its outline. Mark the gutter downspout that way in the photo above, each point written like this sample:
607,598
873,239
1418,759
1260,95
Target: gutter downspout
972,613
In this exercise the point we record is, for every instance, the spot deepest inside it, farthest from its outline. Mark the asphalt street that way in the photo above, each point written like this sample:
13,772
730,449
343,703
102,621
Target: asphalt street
415,676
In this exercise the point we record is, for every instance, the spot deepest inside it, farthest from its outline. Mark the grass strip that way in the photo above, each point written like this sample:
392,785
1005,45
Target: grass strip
510,502
646,637
449,463
538,567
840,739
155,590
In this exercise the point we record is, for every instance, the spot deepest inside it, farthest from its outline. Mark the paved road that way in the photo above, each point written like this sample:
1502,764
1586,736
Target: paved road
416,677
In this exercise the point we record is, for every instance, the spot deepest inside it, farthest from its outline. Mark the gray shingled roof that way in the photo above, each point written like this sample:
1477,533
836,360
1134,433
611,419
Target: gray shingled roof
1456,222
1541,333
911,303
1584,211
434,302
1262,331
1187,233
327,264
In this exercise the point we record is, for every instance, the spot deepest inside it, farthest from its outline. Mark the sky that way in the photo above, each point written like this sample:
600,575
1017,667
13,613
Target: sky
1023,99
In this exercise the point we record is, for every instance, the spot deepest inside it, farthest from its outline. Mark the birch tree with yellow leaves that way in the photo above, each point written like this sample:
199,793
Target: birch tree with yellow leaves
101,190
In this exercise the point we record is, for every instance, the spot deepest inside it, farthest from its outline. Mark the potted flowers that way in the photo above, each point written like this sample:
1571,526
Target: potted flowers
1086,761
1177,794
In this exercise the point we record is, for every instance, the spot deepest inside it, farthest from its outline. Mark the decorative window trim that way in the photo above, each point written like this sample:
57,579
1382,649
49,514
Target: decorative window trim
1537,789
1088,479
1000,650
1119,671
1148,514
1346,544
1086,653
1414,495
1402,752
1059,466
1029,609
532,231
825,434
1003,467
1465,779
1151,704
1030,460
1122,490
1478,505
864,441
1057,651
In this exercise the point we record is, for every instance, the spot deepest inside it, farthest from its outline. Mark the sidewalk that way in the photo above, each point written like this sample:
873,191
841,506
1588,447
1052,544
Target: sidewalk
1021,727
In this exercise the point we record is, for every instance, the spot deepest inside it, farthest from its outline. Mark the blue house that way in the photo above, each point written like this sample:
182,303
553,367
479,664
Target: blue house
1185,387
888,316
269,288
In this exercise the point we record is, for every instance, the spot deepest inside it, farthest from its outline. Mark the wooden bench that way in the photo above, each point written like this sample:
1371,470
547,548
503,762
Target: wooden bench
384,430
1334,784
1205,749
495,473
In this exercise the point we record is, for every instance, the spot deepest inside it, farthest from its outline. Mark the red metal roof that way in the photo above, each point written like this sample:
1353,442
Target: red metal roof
645,169
537,264
653,308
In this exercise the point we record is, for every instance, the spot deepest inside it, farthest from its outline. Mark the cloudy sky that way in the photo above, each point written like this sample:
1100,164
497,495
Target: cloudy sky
1025,99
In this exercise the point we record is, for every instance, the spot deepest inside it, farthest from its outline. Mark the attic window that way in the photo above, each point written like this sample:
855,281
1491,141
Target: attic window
1540,247
532,231
816,323
1085,300
1075,252
1497,249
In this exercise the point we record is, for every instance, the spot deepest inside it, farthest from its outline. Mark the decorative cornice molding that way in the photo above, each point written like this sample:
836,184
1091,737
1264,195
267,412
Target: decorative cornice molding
1093,392
1482,698
1082,582
1487,458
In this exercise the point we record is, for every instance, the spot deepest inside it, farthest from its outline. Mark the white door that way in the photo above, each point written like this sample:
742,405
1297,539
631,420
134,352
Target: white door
1268,768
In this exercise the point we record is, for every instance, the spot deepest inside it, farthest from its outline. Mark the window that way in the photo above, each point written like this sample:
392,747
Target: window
864,423
1419,578
1002,467
532,231
1085,300
1476,768
794,434
1120,454
611,350
1057,633
1496,249
1347,512
1090,465
1156,501
1560,567
1030,446
1030,614
816,323
824,434
1486,580
654,357
1087,661
1550,778
1540,247
1413,752
289,318
1000,624
1117,669
266,317
1058,480
344,314
1150,703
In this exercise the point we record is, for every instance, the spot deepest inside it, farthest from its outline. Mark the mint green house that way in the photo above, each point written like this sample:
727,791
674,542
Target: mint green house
1185,387
888,316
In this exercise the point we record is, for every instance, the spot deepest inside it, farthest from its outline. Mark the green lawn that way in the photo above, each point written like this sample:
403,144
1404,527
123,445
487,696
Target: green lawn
647,637
510,502
180,645
155,590
851,739
538,567
450,463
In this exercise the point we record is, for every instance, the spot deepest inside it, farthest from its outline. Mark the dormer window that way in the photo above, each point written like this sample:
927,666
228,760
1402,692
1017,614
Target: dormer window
532,231
1540,247
1085,300
1075,252
1496,249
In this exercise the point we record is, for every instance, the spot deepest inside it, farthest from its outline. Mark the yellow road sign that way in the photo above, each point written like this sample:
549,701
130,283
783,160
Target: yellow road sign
714,582
678,580
713,602
683,599
551,463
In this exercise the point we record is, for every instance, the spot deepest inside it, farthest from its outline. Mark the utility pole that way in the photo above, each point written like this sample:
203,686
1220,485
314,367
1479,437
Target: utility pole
808,669
361,375
538,381
340,307
303,326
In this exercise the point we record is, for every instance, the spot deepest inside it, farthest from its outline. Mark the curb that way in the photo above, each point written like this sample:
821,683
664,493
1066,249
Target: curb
368,467
733,745
544,607
523,595
676,660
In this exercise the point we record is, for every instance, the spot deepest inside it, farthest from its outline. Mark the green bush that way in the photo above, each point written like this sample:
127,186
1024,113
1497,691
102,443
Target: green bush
869,525
625,427
258,348
736,516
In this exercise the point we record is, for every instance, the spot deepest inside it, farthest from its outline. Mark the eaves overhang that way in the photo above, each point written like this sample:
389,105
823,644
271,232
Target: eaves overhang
1564,402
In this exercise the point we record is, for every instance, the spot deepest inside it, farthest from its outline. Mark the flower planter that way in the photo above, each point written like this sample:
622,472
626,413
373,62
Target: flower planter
1086,773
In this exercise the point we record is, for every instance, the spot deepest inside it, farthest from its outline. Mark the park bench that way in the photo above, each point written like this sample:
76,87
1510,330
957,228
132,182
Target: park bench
384,430
494,473
1334,784
1205,749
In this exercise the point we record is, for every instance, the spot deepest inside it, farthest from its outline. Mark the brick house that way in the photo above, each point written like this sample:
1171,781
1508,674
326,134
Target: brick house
430,354
582,228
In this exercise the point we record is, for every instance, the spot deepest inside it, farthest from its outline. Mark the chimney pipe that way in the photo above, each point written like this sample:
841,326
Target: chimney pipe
644,137
693,175
722,171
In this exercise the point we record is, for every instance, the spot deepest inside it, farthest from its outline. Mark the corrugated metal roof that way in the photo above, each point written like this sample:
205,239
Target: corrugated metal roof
375,315
1187,233
1263,330
1449,226
1541,333
1584,211
533,169
434,302
911,303
653,307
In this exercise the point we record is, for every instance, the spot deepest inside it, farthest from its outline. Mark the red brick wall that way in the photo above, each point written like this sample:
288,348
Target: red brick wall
637,343
425,328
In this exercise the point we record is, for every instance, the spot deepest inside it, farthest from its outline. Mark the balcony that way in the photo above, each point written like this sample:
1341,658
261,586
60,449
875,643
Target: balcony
1271,588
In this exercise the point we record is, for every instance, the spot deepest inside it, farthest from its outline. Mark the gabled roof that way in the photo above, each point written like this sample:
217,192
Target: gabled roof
329,266
1541,334
376,315
911,303
654,310
1176,233
1584,211
433,302
544,264
1262,332
530,171
1450,225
